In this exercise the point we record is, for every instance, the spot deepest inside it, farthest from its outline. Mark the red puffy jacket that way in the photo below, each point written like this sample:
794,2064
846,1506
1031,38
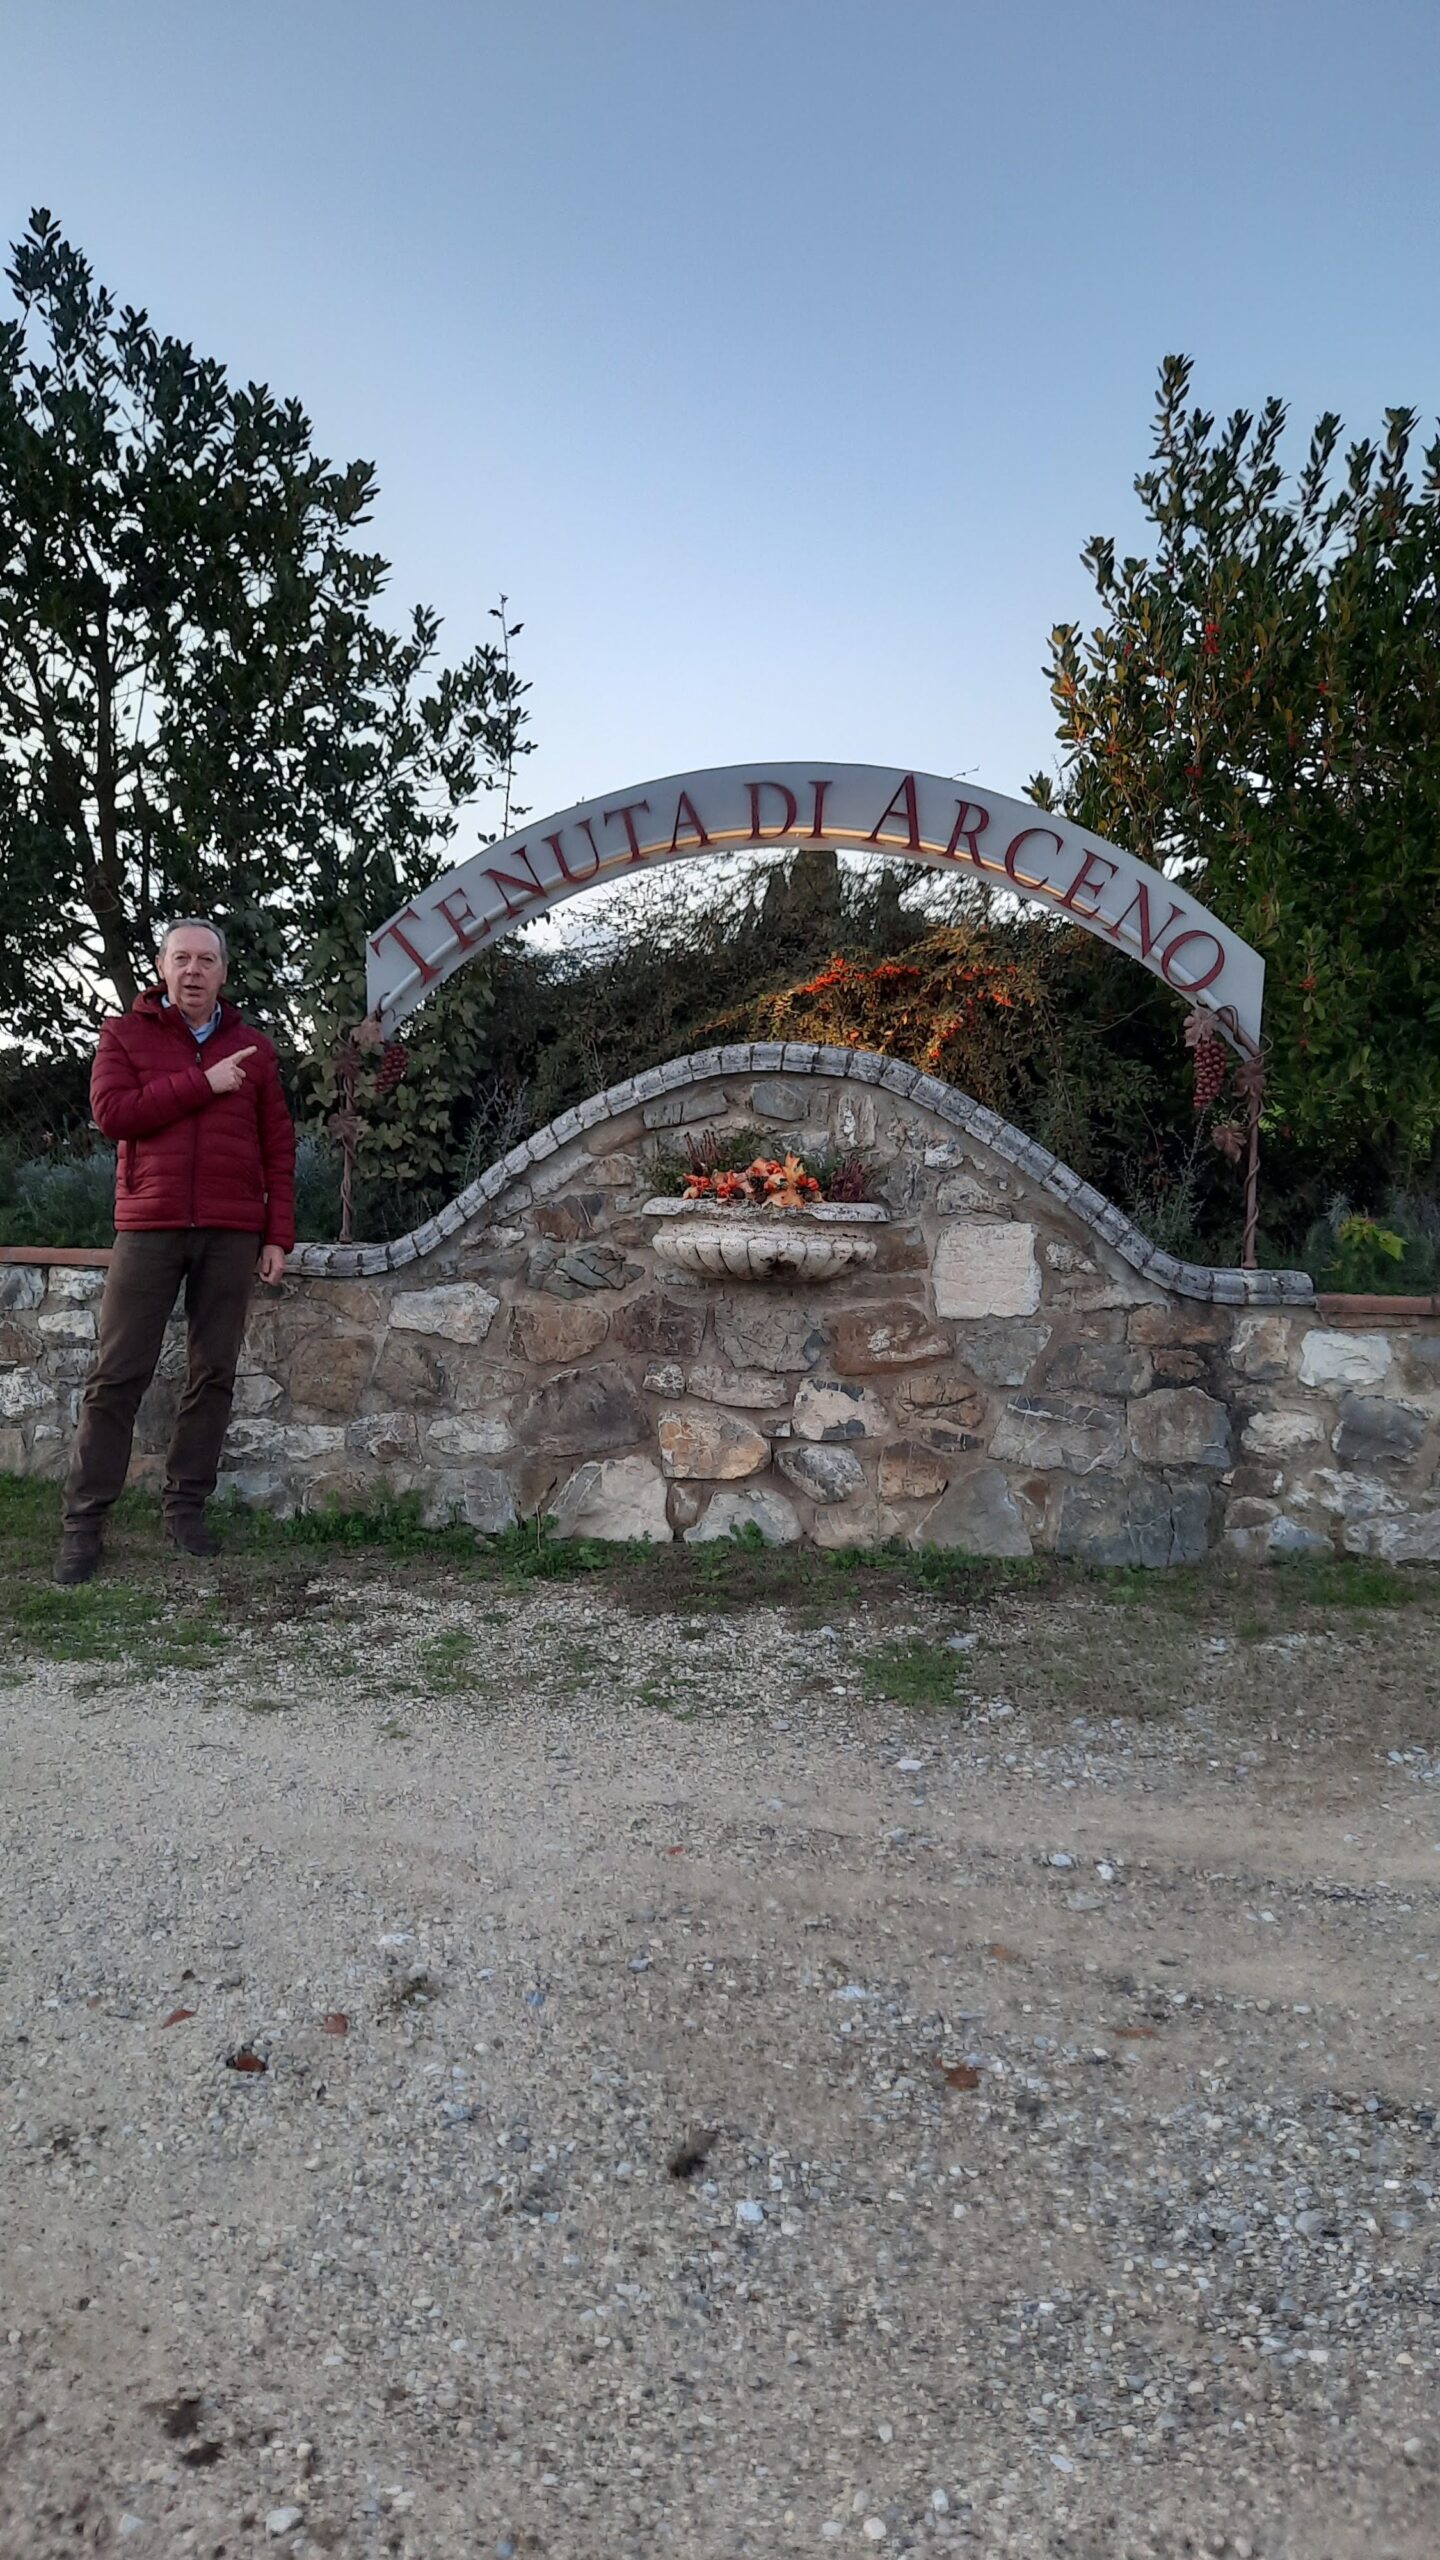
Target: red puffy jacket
187,1157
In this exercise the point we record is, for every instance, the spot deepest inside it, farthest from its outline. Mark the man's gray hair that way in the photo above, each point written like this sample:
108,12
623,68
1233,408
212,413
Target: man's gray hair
188,924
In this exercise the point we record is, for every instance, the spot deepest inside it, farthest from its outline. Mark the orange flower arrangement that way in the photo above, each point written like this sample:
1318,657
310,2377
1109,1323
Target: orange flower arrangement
767,1183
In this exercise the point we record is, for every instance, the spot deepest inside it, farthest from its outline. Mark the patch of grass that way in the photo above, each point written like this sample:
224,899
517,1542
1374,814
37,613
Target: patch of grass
1346,1582
914,1674
111,1622
268,1706
392,1731
448,1661
392,1523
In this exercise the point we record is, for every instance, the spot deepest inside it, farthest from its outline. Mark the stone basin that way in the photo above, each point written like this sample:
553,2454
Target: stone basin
764,1244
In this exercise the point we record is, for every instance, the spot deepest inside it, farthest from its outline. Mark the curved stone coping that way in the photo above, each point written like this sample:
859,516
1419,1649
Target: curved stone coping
860,1066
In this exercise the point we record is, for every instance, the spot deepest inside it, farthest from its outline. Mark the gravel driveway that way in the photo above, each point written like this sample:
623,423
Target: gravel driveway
498,2071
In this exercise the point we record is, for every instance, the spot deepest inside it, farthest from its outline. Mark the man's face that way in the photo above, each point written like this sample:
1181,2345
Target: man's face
193,971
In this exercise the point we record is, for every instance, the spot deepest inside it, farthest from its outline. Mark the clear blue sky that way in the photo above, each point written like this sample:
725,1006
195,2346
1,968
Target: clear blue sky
776,356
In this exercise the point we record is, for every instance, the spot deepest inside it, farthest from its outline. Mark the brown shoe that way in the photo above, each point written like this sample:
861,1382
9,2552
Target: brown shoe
191,1532
78,1557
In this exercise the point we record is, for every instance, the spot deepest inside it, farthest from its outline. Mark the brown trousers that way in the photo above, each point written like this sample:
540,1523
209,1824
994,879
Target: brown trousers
217,1268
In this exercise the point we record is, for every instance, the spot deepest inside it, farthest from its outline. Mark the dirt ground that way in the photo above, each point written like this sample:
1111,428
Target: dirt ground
718,2061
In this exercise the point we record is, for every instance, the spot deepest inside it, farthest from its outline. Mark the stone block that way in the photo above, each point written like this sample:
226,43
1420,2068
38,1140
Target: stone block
607,1137
958,1193
285,1442
1175,1367
260,1488
551,1330
487,1500
384,1436
616,1498
584,1267
1124,1521
749,1388
866,1342
329,1371
663,1327
583,1413
758,1331
357,1302
986,1267
76,1285
1043,1430
1180,1427
23,1391
66,1323
710,1443
1100,1368
1421,1355
1374,1432
12,1452
1289,1538
686,1503
827,1474
1412,1539
978,1514
570,1215
1355,1497
771,1098
256,1394
826,1410
474,1435
679,1110
1274,1435
1003,1355
1344,1359
909,1471
1178,1321
22,1286
1263,1348
459,1312
411,1372
664,1378
757,1508
864,1522
948,1395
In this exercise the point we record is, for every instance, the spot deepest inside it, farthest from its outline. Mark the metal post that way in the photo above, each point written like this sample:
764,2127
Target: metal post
1252,1184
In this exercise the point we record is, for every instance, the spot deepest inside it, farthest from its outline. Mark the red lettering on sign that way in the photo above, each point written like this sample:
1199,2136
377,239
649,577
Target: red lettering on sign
628,815
557,847
960,833
1089,877
903,800
1192,986
1022,878
817,827
1149,934
508,880
757,832
686,809
458,923
406,915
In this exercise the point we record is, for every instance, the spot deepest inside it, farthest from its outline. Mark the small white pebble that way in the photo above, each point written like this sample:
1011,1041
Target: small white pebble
283,2520
874,2528
939,2502
749,2211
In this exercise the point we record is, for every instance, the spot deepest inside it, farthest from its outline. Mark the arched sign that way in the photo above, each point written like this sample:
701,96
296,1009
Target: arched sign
859,808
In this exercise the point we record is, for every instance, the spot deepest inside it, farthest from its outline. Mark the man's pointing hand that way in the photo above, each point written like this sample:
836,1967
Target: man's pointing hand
229,1075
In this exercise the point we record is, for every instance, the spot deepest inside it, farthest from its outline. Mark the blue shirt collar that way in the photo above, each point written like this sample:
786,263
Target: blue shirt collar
200,1031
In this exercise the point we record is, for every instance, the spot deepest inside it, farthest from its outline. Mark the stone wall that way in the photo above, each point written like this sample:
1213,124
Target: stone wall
1018,1370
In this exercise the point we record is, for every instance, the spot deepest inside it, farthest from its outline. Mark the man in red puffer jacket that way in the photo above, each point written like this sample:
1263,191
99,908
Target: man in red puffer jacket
204,1199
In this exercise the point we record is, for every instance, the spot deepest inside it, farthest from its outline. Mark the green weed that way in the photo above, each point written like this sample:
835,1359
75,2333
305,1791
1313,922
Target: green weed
913,1674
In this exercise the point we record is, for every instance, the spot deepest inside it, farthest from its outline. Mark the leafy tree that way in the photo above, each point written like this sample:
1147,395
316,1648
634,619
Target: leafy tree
1258,710
200,710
